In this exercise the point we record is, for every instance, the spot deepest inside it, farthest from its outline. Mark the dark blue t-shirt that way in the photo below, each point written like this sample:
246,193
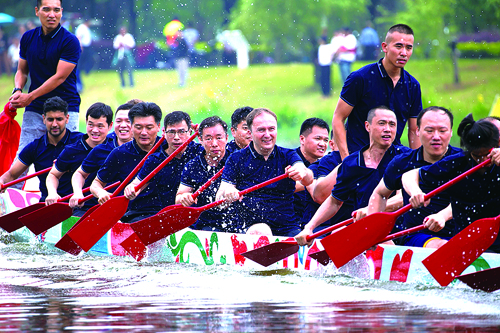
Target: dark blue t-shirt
43,54
231,147
95,159
371,86
356,181
162,188
392,180
196,173
272,204
42,154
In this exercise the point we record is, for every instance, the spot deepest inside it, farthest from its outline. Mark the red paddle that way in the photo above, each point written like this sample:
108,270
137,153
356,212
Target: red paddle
89,231
274,252
486,280
22,179
135,244
159,226
347,243
48,216
450,260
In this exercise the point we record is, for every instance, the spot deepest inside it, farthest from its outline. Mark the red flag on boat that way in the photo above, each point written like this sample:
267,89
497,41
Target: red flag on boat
10,132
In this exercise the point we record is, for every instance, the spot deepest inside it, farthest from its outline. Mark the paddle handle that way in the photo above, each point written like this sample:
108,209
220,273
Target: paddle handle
404,233
207,184
137,168
245,191
445,185
90,196
162,164
22,179
329,229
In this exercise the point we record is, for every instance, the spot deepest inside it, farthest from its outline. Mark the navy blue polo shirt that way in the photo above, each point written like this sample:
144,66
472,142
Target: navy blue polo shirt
196,173
43,53
163,186
272,204
371,86
356,181
231,147
475,197
42,154
119,164
328,162
392,180
95,159
301,198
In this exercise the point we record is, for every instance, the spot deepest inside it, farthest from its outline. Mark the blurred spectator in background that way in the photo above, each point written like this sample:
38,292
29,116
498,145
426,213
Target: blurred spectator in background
191,35
124,59
325,57
346,54
181,56
13,53
4,59
370,42
83,34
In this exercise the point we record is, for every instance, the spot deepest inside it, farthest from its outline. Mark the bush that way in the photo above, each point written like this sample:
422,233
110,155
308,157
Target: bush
479,50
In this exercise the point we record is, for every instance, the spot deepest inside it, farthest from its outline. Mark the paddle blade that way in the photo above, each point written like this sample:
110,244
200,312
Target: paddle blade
345,244
88,232
272,253
166,209
10,222
46,217
162,225
68,245
321,257
451,259
135,247
486,280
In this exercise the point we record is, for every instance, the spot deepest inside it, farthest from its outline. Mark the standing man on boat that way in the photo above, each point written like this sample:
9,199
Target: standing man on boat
213,137
48,55
360,172
434,129
95,159
313,145
272,206
382,83
162,188
99,118
239,129
145,118
43,151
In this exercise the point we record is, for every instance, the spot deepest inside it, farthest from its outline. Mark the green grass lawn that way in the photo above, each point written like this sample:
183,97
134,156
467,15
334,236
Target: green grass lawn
287,89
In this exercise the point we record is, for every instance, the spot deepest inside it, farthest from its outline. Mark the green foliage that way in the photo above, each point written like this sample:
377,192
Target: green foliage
479,50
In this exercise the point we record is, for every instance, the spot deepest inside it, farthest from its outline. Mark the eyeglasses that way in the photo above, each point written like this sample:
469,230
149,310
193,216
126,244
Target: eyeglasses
181,133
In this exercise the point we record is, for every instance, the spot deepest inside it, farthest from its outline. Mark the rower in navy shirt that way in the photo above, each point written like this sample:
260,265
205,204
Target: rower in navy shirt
382,83
43,151
162,188
87,171
475,197
145,118
313,145
239,130
272,206
213,138
360,172
434,129
99,118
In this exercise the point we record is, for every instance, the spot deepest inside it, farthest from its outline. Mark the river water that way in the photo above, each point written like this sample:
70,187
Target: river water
45,290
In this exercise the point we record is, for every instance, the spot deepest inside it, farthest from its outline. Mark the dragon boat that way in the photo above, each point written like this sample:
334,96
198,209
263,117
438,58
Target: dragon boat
386,263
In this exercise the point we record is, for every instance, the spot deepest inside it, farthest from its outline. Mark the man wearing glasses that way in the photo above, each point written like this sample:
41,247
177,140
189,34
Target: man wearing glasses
162,188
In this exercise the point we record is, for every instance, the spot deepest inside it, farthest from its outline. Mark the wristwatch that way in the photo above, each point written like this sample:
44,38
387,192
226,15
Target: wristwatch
16,89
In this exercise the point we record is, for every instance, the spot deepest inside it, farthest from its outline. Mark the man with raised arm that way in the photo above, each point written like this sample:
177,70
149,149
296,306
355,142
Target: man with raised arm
360,172
272,206
99,118
162,188
95,159
43,151
382,83
434,129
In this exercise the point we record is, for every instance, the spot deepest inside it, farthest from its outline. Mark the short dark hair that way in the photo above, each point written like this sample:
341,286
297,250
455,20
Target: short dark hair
98,110
239,115
309,123
175,117
211,122
477,134
55,103
434,108
401,28
39,3
145,109
256,112
126,106
372,112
